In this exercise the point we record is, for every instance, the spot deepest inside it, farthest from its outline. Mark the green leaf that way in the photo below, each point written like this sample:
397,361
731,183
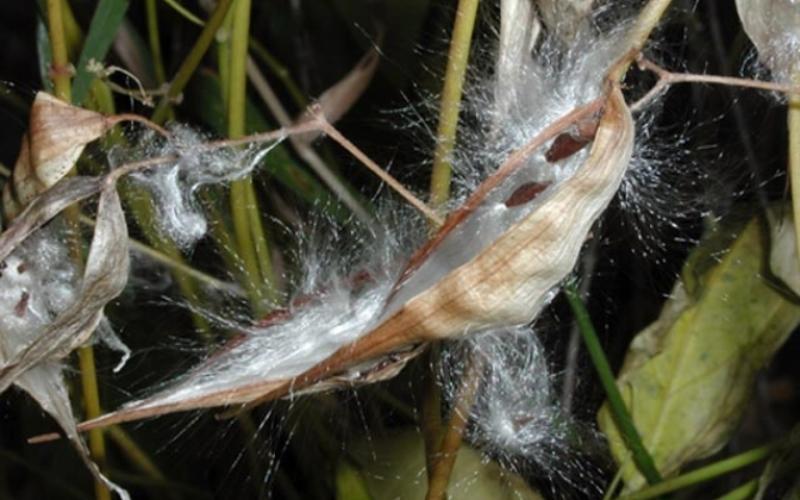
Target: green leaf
393,467
106,20
279,163
44,54
350,484
687,377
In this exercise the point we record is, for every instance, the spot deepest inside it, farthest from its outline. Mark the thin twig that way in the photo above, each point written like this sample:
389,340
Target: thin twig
451,100
439,476
622,418
305,151
334,134
667,78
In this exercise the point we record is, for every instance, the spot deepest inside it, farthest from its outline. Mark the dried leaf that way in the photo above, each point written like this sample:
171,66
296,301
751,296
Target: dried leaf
687,378
339,98
505,283
104,278
45,384
45,207
58,133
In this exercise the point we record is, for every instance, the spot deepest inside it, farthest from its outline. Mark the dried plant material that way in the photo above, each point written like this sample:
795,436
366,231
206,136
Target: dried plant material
45,384
104,278
565,17
774,28
504,282
340,97
43,208
519,31
58,132
688,377
394,468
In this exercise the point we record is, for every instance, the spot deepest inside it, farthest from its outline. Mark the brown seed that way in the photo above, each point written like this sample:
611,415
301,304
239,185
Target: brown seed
526,193
22,305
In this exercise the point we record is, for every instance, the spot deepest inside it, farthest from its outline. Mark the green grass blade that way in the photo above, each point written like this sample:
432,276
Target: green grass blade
105,22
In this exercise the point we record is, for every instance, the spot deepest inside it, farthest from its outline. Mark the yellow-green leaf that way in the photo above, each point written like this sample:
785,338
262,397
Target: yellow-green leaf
687,377
393,467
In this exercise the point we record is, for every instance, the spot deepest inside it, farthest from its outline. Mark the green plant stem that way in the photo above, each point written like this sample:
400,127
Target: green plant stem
248,228
154,39
743,492
794,161
451,100
192,60
60,66
135,454
183,11
280,71
622,418
702,474
91,397
91,402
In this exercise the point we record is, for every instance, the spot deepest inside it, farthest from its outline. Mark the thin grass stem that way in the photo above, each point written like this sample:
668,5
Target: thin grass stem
641,457
703,474
451,100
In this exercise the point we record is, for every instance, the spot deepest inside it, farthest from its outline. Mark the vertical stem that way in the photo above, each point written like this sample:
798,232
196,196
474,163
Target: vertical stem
247,225
451,100
60,69
441,174
794,163
154,39
622,418
192,60
91,397
91,402
439,476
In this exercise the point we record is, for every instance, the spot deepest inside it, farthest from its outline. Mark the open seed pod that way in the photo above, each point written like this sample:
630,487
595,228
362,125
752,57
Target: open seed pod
443,293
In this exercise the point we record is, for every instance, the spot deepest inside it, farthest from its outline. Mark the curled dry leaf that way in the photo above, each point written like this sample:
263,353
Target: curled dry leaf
43,208
104,279
57,134
687,378
450,289
339,98
30,352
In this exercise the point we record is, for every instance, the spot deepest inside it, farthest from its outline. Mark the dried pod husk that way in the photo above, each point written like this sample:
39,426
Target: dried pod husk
10,206
58,133
774,28
506,284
